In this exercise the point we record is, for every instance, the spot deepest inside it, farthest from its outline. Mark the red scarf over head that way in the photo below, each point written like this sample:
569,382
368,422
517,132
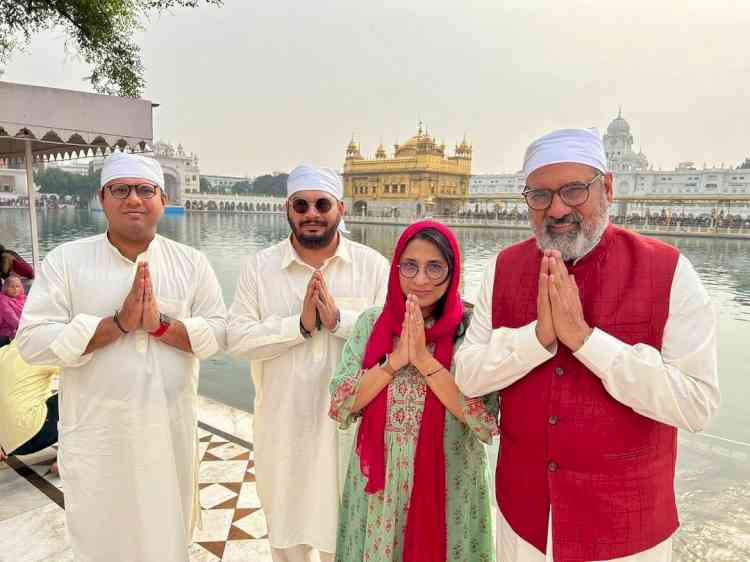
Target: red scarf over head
426,519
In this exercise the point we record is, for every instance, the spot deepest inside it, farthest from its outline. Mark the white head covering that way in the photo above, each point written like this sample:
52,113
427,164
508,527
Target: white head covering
580,146
123,165
309,178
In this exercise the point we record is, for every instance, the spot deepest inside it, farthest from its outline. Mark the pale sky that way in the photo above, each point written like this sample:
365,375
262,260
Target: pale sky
254,87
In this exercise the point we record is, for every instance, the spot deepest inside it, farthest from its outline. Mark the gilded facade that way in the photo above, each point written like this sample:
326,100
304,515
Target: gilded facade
420,179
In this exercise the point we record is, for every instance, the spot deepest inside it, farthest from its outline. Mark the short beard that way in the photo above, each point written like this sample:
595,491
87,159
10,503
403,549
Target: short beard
314,242
576,244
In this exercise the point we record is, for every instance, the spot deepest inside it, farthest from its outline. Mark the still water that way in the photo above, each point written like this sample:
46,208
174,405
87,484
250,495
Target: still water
714,470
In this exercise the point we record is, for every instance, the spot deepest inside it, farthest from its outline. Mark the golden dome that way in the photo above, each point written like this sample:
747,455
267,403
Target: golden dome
421,142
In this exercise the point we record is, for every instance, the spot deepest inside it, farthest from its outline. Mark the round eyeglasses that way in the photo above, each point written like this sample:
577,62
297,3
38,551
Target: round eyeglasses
573,194
436,272
322,205
122,190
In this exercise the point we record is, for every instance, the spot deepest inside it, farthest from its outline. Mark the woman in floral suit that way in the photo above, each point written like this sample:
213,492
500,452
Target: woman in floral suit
417,486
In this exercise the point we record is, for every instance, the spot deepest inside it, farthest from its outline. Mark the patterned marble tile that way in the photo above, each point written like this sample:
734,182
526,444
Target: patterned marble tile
215,494
234,525
199,554
247,551
216,523
253,524
222,471
229,451
249,496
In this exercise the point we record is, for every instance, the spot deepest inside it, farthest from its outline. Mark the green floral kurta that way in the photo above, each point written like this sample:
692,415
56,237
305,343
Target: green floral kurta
371,527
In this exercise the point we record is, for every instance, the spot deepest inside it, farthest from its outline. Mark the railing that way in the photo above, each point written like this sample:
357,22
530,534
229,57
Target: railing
740,232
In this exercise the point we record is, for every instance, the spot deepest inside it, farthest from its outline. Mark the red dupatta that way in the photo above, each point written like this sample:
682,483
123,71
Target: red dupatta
426,519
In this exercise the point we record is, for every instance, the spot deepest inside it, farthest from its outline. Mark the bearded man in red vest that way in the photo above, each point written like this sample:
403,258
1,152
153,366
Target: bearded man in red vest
602,342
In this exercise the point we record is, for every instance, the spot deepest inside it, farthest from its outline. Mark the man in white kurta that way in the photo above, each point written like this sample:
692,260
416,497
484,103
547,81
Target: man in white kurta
677,385
299,459
128,441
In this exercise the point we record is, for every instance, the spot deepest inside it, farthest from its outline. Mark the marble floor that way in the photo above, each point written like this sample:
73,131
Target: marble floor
32,521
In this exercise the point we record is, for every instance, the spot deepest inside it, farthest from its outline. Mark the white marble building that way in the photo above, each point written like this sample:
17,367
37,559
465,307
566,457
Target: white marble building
618,145
633,177
12,182
222,183
181,171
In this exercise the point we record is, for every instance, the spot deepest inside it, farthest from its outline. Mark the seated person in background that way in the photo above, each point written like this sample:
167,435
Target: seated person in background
11,262
28,409
12,298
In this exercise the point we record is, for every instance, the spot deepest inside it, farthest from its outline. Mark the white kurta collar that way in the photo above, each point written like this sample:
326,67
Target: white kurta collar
289,255
147,256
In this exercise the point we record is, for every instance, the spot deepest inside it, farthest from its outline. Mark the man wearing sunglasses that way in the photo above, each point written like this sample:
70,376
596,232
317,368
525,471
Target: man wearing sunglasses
602,342
127,315
295,305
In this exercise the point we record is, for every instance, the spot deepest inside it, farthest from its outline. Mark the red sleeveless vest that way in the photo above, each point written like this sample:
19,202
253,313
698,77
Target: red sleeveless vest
606,471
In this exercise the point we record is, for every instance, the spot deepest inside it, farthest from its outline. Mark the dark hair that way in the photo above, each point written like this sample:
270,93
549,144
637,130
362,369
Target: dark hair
439,240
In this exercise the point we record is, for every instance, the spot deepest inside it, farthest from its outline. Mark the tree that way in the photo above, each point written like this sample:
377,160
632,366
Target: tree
101,31
205,185
54,180
274,185
243,187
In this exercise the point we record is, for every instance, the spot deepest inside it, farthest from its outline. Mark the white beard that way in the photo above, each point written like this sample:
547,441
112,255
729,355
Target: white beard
576,244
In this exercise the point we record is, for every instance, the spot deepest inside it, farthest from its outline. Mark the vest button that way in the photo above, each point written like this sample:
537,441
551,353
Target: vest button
559,371
553,420
552,466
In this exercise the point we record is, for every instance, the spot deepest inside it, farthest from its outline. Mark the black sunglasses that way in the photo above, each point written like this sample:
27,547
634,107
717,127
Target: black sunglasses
322,205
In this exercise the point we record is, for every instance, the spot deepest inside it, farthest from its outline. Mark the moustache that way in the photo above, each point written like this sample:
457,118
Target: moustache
570,218
313,223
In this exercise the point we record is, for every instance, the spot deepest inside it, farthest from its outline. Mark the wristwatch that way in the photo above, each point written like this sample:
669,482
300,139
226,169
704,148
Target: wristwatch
164,323
385,364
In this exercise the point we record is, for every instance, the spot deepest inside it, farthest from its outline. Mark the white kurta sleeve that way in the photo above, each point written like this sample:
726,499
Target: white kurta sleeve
377,277
490,360
251,337
207,325
48,333
678,386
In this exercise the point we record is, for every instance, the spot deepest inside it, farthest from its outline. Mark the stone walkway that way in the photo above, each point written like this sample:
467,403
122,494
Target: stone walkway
712,484
32,520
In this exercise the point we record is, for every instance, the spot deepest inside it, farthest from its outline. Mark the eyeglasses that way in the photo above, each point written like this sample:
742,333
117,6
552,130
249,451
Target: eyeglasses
322,205
122,190
436,272
573,194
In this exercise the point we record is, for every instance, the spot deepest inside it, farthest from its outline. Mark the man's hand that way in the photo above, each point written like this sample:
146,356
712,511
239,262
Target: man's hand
567,312
325,304
130,314
150,318
309,304
545,328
